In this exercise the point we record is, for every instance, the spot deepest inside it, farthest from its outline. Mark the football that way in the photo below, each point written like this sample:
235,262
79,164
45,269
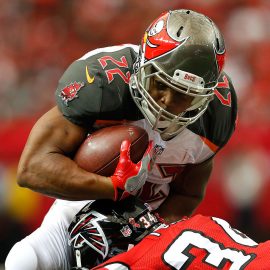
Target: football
100,151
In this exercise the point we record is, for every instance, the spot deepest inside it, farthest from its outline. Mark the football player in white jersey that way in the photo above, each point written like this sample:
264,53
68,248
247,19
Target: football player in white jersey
173,85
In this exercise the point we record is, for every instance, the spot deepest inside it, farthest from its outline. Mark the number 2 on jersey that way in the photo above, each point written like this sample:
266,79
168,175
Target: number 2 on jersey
110,73
224,100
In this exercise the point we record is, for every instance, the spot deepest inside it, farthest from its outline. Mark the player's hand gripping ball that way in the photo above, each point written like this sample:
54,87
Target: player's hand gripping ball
130,176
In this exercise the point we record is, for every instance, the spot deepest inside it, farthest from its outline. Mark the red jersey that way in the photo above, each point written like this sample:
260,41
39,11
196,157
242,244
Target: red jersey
199,242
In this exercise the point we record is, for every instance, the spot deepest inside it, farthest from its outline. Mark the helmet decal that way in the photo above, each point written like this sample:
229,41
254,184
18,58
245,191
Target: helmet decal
126,231
95,235
156,41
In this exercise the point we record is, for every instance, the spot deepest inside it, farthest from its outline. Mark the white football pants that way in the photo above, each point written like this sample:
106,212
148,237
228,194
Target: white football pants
47,247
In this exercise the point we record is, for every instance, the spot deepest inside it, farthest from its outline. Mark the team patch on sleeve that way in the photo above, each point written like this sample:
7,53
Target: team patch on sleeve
69,92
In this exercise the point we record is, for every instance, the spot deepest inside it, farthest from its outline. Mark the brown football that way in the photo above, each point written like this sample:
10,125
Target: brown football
100,151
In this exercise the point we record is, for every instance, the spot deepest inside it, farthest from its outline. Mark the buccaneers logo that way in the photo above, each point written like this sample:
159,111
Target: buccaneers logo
156,41
70,91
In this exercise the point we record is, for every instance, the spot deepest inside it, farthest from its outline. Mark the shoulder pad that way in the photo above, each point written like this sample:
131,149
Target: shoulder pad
217,124
96,85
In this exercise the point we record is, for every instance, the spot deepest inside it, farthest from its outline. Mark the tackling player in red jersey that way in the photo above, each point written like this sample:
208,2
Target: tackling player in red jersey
198,242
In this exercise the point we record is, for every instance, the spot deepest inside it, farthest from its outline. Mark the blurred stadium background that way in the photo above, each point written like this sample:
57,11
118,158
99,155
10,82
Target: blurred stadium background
40,38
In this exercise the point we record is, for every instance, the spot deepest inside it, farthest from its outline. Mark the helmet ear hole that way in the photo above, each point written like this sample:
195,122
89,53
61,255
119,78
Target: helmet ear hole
218,46
178,33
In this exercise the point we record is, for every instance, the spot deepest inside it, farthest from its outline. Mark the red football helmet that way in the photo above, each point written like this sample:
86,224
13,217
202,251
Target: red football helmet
185,51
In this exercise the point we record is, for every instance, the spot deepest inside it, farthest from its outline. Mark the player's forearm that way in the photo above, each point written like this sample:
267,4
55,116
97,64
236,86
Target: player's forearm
186,191
58,176
177,206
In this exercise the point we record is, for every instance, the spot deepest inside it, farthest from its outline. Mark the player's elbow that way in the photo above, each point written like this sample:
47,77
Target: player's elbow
25,175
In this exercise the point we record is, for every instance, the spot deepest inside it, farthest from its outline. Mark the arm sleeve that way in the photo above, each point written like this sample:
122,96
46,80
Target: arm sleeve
77,99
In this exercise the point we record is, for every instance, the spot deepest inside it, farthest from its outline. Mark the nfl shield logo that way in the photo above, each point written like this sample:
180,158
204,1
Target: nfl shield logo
126,231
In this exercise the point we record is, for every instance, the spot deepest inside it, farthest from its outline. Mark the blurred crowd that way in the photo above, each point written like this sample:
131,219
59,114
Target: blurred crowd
40,38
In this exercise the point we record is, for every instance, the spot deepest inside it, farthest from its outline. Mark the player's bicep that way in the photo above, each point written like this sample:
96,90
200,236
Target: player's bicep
52,133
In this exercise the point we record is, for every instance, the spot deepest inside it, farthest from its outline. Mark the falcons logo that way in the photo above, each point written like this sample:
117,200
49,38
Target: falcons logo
88,226
156,41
